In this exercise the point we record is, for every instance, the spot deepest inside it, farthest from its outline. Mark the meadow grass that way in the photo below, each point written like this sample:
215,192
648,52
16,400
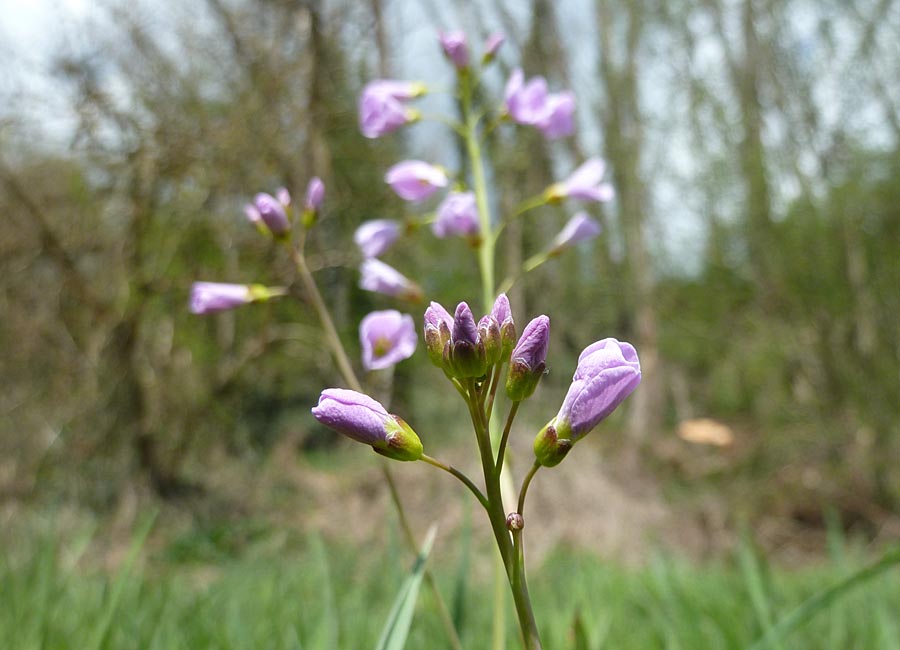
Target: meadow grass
315,595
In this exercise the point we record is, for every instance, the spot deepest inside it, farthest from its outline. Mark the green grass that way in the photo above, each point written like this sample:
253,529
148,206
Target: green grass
314,595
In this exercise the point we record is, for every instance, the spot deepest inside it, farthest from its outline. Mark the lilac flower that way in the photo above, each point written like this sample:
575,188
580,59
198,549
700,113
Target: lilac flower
584,183
528,359
361,418
253,215
608,371
492,45
381,278
531,104
283,196
457,215
381,107
466,352
581,227
455,47
438,323
211,297
376,236
387,337
273,213
503,314
315,194
415,180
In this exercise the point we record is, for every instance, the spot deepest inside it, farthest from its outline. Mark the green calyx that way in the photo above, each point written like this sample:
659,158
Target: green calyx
521,380
400,441
549,447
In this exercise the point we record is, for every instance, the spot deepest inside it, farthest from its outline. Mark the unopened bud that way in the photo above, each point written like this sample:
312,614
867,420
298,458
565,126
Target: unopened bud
515,521
549,449
527,360
489,333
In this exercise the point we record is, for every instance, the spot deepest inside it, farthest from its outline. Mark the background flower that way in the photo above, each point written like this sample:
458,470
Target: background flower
387,337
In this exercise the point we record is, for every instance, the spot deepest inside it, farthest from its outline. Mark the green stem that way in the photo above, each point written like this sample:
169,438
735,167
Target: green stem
524,490
528,266
462,477
502,450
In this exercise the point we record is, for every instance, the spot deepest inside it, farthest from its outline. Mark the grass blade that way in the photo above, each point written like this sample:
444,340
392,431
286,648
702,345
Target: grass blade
823,599
396,628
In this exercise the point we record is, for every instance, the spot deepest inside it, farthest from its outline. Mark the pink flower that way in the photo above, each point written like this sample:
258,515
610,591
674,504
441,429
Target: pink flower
455,47
379,277
584,183
382,109
531,104
415,180
376,236
492,45
457,215
272,212
315,194
387,337
361,418
581,227
211,297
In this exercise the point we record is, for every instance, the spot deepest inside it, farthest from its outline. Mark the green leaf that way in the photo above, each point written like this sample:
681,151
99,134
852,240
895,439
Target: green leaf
824,599
396,628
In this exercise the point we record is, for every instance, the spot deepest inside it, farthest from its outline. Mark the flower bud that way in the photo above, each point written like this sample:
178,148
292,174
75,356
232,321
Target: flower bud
376,236
273,214
315,195
549,449
415,180
361,418
515,521
379,277
455,48
438,323
489,333
212,297
382,109
503,315
527,361
491,45
465,356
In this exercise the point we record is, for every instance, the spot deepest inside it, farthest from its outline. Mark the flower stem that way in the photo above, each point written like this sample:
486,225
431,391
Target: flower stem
462,477
346,370
502,450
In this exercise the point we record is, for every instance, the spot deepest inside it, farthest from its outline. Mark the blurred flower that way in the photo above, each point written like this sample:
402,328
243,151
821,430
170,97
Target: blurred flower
528,360
211,297
415,180
381,107
492,45
283,196
457,215
584,183
376,236
381,278
581,227
315,194
387,337
531,104
361,418
273,213
608,371
455,47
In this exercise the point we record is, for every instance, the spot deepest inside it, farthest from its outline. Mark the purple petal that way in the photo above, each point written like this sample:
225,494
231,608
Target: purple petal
532,346
315,194
457,215
493,43
387,337
579,228
211,297
415,180
436,314
381,278
501,310
464,328
353,414
272,213
375,237
455,47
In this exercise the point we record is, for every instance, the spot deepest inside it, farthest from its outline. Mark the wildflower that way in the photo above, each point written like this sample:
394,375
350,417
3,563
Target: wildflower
465,356
381,107
457,215
438,324
376,236
607,372
527,361
455,47
531,104
415,180
381,278
492,45
503,315
584,183
581,227
361,418
211,297
315,194
273,212
387,337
